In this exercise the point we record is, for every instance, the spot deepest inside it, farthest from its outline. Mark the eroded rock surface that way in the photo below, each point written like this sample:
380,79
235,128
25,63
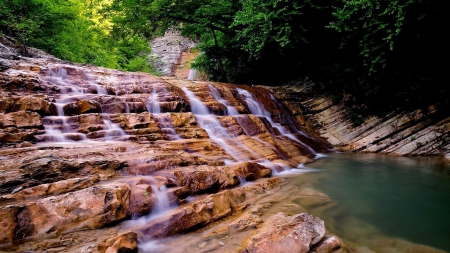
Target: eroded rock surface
413,133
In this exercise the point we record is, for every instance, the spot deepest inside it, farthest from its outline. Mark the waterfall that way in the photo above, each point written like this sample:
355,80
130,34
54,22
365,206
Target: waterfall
165,123
257,108
215,93
217,133
193,74
152,103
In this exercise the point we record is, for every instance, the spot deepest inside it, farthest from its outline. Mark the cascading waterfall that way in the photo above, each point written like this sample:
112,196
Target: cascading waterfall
215,93
165,123
112,130
152,103
161,205
257,108
213,127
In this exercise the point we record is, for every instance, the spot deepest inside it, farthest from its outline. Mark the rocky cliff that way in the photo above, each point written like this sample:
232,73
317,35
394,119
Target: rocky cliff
410,133
83,149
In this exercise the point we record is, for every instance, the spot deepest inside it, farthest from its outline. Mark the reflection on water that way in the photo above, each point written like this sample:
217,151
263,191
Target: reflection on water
401,197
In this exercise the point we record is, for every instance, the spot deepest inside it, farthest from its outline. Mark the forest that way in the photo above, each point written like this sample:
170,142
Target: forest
374,55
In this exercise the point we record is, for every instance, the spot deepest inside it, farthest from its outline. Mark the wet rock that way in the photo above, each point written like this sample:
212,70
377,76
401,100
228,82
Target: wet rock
123,243
249,219
6,104
48,167
88,208
251,171
282,233
82,107
141,200
203,178
206,210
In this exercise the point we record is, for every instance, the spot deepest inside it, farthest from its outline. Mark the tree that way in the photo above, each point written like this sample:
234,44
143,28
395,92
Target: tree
72,30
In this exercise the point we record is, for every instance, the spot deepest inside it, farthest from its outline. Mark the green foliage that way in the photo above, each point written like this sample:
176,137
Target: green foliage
72,30
374,24
374,50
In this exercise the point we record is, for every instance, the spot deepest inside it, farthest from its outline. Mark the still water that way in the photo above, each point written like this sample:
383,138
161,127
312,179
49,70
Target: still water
375,196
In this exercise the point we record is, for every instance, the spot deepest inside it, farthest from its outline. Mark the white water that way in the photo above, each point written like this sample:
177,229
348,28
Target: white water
257,108
193,74
70,91
216,132
152,103
215,93
160,207
165,123
112,130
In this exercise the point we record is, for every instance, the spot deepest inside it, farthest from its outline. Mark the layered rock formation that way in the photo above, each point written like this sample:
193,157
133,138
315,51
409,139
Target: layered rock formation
84,148
414,133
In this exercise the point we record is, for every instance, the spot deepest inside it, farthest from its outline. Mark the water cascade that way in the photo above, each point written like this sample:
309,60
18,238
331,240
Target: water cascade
152,103
257,108
215,93
215,130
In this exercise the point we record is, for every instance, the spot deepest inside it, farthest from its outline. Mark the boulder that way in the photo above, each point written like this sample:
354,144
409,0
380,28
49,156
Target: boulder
141,200
251,171
285,234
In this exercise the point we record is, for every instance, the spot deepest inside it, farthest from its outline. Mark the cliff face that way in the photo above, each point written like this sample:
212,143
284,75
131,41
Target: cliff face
414,133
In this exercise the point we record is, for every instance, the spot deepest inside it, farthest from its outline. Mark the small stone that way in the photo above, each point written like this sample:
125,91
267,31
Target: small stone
202,245
221,243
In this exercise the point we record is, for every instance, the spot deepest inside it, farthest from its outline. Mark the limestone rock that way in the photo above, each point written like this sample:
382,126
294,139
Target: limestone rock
251,171
167,50
412,133
206,210
56,188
